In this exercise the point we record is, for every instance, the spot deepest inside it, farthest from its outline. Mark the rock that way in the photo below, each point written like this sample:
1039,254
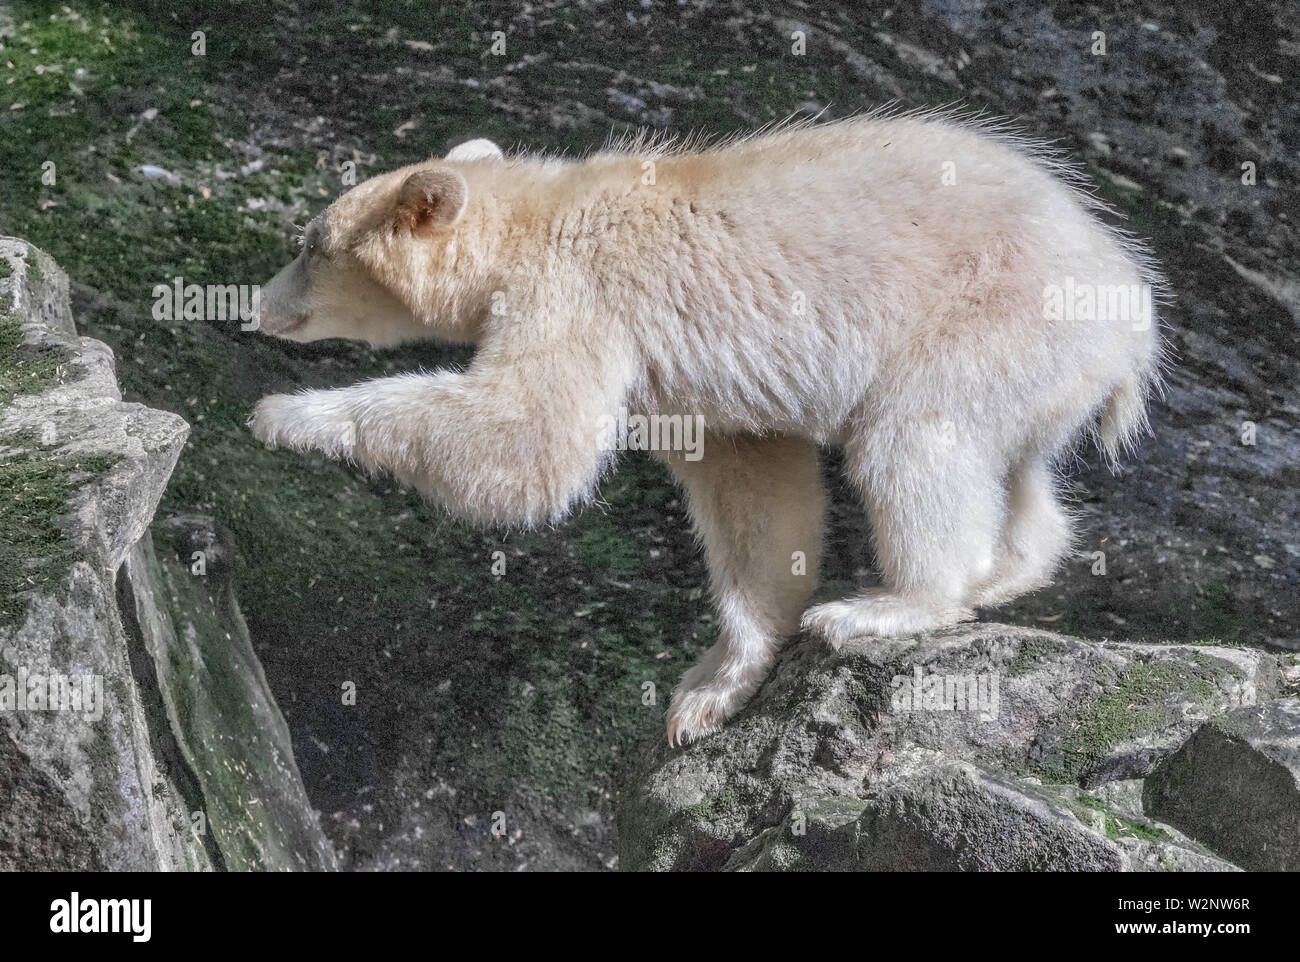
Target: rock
118,751
178,599
826,733
1235,786
79,791
1116,811
927,812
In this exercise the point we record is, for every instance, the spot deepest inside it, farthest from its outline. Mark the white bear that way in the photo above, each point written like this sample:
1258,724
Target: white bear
934,294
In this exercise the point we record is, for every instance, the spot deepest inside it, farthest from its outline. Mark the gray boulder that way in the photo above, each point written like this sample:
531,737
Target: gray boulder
1235,785
980,747
178,601
926,812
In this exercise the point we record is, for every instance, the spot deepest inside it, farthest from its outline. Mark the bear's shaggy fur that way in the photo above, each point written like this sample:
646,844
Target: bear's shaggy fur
935,295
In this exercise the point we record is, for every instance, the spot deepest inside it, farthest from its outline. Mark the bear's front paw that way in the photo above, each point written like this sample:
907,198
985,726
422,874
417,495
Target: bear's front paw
269,416
705,698
697,712
304,422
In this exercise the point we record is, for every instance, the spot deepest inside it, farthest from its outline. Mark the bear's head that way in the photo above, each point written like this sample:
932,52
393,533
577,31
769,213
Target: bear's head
389,261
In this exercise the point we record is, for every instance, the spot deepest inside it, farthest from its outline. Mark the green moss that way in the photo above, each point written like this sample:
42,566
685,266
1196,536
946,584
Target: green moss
34,550
1030,652
6,269
35,270
117,229
1140,702
574,707
222,735
1115,826
609,543
25,369
604,547
1217,615
34,485
699,812
1092,802
1123,827
710,810
544,738
836,810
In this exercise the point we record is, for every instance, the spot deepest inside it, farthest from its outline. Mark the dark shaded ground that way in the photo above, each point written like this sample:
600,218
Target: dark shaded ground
523,694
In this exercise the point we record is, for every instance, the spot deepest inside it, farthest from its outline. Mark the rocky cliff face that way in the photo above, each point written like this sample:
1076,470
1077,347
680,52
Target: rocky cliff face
136,729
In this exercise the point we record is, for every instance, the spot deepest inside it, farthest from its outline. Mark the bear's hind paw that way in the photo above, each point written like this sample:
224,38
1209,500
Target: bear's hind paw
879,614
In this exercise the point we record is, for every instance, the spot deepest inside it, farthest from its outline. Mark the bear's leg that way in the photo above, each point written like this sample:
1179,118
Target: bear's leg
936,506
494,447
1034,539
757,504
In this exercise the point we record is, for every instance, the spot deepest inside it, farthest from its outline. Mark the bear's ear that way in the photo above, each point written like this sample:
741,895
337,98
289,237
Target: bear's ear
431,199
481,149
